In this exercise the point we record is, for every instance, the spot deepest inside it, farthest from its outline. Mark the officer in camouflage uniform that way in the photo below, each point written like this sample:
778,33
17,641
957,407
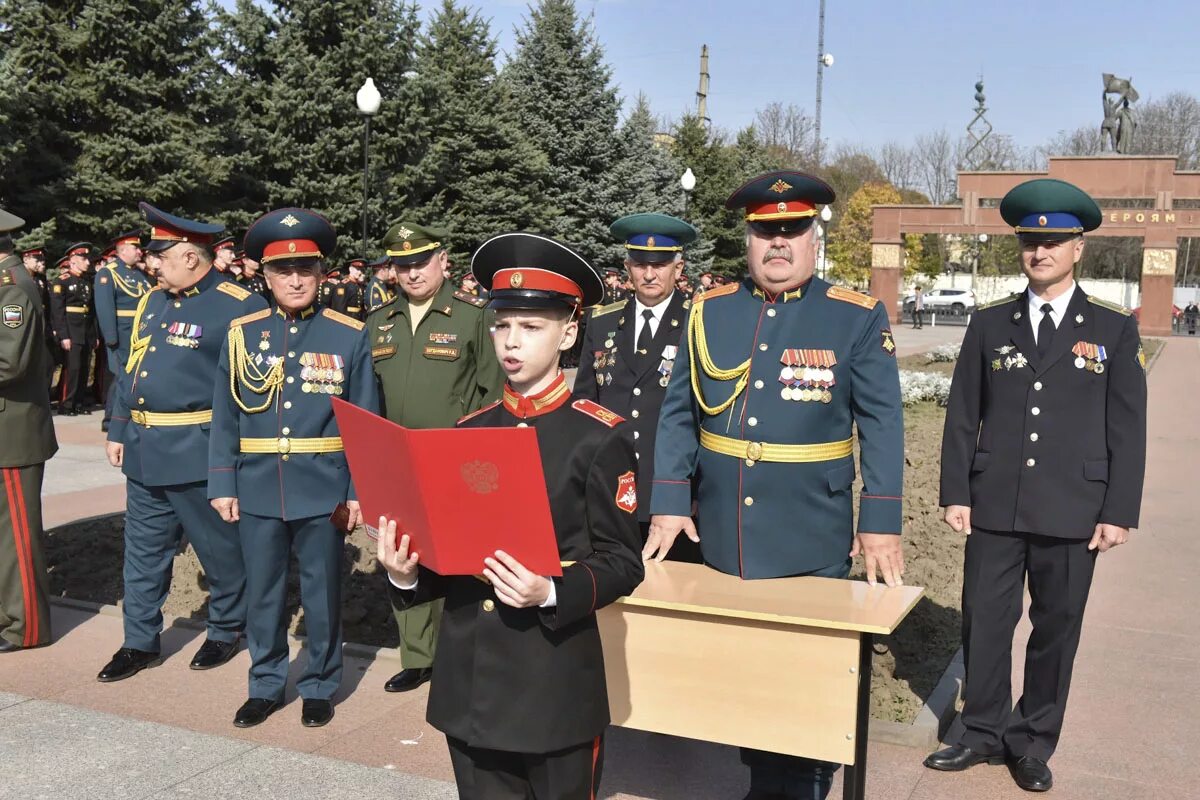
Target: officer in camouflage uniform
433,353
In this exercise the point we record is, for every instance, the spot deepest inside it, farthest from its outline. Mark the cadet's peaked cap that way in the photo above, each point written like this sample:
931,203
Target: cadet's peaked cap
652,238
1050,208
290,237
227,243
782,201
379,263
132,237
408,243
35,252
527,270
356,263
168,230
79,249
9,222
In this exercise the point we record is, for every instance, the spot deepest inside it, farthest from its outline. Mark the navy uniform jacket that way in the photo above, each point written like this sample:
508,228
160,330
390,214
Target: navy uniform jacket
1046,446
71,312
176,343
344,296
118,289
634,387
532,680
255,283
378,294
325,354
765,519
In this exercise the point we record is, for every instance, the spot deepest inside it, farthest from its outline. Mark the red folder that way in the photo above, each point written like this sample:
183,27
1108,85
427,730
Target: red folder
460,494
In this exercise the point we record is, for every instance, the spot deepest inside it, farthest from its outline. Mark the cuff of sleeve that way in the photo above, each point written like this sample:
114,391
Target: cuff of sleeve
412,587
671,497
116,430
222,482
551,599
880,514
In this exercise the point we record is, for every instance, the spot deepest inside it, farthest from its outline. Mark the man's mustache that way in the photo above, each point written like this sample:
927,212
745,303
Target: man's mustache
778,252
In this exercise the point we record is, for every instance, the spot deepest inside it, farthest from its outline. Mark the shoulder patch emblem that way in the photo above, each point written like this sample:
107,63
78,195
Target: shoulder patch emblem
608,309
474,414
887,342
472,299
260,314
627,492
1120,309
13,316
719,291
851,296
598,412
1001,301
338,316
233,290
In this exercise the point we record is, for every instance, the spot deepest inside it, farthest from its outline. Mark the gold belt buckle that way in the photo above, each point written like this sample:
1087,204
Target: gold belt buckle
284,445
754,451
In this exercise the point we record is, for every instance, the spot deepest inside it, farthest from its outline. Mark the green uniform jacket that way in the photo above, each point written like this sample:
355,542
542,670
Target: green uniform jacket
26,430
444,371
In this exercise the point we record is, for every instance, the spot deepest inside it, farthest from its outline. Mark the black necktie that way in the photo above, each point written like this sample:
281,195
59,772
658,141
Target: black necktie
643,339
1045,331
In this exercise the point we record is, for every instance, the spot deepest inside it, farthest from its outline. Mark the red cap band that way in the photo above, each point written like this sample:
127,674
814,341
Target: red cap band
791,209
536,280
173,235
291,248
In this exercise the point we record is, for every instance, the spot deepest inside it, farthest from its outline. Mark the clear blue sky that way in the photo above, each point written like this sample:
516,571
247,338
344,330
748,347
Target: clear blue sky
903,67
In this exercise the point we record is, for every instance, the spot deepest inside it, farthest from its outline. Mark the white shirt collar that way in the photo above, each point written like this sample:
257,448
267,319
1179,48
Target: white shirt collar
658,311
1058,306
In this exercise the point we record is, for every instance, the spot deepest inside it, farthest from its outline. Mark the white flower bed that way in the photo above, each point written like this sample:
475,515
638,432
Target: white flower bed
920,387
943,352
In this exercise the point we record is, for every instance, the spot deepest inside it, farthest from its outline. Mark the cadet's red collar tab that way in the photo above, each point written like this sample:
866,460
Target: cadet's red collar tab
290,248
779,210
545,401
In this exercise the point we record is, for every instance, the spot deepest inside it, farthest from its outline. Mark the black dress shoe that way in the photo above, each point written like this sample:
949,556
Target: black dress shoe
8,647
316,713
408,679
68,412
255,712
1031,774
213,654
126,663
958,758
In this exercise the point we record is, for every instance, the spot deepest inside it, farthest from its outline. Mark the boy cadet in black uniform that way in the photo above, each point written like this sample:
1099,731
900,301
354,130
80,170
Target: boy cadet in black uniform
629,347
1043,458
518,683
74,321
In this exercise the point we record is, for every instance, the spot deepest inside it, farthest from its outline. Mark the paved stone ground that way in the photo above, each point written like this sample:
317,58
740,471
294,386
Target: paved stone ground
1131,729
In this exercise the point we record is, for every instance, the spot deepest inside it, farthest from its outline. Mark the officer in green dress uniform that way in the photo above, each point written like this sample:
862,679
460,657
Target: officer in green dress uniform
276,462
1043,459
26,443
629,347
379,288
74,320
159,438
118,288
774,375
433,354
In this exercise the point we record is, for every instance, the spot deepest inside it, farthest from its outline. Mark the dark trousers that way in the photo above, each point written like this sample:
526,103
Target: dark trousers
75,373
266,546
918,317
1059,572
569,774
684,548
24,599
792,776
155,519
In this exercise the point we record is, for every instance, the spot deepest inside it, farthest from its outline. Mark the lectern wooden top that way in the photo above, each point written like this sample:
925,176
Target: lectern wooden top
811,602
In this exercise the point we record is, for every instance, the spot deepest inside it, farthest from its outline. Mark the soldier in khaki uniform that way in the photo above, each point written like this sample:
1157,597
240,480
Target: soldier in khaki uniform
26,443
432,350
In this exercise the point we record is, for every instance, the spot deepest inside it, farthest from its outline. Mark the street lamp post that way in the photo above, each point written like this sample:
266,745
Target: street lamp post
688,182
368,100
826,215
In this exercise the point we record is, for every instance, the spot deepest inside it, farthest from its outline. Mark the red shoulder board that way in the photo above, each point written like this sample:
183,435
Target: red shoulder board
718,291
597,411
474,414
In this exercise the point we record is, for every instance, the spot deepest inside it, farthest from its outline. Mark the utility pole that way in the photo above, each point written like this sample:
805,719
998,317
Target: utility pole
702,92
823,60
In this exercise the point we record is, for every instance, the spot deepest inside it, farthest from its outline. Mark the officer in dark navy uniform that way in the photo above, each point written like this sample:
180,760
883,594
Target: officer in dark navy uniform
629,347
118,288
276,464
250,275
159,437
34,260
343,294
1043,459
380,288
518,682
775,373
74,320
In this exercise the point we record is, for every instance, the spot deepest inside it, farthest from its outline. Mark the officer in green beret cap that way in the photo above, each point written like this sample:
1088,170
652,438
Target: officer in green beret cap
1043,459
432,349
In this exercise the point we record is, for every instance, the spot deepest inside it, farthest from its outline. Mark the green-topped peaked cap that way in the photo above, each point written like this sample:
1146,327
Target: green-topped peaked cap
408,243
1050,208
653,238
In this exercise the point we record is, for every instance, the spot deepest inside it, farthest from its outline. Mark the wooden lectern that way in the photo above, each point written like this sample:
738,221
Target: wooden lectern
782,665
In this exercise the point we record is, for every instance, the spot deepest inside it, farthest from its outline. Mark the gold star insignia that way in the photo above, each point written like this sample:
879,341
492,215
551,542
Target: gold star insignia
780,186
290,221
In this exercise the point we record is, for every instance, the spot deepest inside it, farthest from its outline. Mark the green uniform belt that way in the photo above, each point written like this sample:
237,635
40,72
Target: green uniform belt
782,453
284,445
157,419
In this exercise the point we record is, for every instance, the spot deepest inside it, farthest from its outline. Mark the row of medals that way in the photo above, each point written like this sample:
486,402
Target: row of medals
806,384
1090,365
320,380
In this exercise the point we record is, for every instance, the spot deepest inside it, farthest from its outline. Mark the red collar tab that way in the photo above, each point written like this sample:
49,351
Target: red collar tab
781,209
545,401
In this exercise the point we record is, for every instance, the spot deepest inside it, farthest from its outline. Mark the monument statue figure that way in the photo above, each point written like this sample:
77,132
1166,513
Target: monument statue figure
1125,128
1116,132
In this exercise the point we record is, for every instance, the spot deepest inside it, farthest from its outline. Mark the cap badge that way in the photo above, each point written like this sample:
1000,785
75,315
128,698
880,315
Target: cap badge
650,241
407,246
516,280
404,232
780,186
782,207
1042,220
291,247
290,221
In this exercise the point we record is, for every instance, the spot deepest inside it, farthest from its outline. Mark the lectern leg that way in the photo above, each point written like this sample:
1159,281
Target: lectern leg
854,786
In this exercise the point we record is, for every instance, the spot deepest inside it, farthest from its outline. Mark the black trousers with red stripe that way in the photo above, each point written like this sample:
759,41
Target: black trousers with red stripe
570,774
24,597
